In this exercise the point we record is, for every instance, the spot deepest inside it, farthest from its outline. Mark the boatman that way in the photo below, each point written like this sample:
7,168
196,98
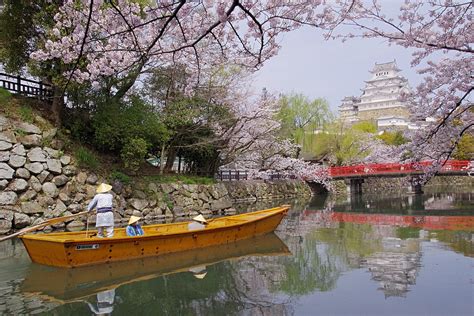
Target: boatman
133,228
199,222
102,202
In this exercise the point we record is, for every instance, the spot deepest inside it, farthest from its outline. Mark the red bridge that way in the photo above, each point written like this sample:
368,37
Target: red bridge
451,167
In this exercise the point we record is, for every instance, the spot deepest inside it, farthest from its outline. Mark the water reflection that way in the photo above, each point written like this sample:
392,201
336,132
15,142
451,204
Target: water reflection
384,256
105,303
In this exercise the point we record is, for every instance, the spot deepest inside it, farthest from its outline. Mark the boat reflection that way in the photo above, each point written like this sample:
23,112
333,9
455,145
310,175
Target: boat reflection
76,284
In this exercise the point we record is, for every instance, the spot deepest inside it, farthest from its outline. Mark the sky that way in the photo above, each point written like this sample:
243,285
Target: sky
328,69
331,69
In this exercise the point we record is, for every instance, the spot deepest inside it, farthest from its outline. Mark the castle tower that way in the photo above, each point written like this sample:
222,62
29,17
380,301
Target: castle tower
380,99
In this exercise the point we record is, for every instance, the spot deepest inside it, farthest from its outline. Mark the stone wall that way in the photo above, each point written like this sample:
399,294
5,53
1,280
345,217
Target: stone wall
376,113
400,185
38,181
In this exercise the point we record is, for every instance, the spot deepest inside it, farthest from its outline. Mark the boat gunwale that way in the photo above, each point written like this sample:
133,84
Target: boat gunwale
50,237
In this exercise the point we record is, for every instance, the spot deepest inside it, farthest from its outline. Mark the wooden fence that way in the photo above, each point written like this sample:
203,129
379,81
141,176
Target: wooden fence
26,87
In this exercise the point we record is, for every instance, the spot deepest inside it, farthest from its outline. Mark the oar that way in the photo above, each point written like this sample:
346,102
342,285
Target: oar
43,224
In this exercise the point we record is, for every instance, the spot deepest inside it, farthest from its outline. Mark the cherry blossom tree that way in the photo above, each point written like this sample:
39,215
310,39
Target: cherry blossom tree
124,39
441,33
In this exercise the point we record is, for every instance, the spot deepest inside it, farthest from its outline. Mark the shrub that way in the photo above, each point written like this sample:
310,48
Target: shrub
133,153
86,159
5,96
120,176
26,114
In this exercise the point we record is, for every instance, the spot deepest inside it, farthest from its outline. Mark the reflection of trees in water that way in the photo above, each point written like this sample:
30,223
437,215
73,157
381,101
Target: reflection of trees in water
311,268
228,288
461,242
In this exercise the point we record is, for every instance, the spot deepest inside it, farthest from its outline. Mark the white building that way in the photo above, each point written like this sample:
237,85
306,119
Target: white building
380,99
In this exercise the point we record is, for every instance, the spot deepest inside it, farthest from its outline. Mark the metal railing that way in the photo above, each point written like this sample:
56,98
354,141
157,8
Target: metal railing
232,175
238,175
399,168
26,87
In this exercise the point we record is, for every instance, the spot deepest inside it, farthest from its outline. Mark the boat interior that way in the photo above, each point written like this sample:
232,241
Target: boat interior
158,229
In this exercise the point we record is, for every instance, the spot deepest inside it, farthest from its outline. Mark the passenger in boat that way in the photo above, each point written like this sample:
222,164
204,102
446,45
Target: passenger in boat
199,222
102,202
133,228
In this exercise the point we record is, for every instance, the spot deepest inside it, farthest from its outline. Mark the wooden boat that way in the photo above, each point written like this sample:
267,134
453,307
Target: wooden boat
68,285
74,249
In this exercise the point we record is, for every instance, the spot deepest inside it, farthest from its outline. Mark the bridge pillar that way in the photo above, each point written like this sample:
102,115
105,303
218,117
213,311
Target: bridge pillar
415,186
354,185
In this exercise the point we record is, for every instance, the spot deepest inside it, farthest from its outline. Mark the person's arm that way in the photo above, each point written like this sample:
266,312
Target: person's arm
92,203
140,230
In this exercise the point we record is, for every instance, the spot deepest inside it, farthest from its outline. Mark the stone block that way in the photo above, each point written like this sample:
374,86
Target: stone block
18,185
92,178
8,198
60,180
65,160
31,208
6,221
6,172
22,173
50,189
43,176
54,165
17,161
19,149
52,153
35,184
28,195
4,145
21,220
37,155
32,140
4,156
69,170
29,128
35,167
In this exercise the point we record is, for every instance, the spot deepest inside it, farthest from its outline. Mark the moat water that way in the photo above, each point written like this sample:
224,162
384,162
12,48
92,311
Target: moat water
369,255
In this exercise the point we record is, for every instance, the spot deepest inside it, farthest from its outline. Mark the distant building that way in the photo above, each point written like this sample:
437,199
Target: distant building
380,99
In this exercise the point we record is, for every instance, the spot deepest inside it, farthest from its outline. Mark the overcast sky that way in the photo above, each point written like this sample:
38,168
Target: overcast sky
317,68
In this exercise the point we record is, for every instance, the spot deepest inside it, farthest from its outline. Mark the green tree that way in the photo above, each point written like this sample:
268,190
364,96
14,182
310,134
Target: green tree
392,138
302,117
340,144
465,148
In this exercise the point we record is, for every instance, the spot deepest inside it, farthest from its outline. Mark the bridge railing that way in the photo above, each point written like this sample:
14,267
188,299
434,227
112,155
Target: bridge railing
26,87
391,168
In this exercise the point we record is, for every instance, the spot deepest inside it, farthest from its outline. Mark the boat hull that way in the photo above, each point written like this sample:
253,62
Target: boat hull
76,284
76,249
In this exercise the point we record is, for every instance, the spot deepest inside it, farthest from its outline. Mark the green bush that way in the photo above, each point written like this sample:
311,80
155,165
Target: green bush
186,179
133,153
26,114
392,138
5,96
120,176
86,158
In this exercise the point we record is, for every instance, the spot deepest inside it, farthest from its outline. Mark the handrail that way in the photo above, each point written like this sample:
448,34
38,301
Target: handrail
391,168
27,87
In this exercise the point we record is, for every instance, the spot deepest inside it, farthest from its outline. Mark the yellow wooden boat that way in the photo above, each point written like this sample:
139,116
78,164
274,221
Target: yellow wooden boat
75,249
66,285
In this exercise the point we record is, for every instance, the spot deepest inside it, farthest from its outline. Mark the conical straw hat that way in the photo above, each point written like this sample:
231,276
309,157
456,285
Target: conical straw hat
200,219
103,187
133,219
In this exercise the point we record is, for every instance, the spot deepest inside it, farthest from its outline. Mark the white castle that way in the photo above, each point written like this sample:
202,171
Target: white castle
380,99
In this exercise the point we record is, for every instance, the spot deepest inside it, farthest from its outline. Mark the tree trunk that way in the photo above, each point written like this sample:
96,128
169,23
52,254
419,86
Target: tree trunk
162,157
57,107
170,159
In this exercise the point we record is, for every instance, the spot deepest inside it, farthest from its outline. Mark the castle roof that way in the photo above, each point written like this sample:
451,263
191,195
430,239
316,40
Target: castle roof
392,65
